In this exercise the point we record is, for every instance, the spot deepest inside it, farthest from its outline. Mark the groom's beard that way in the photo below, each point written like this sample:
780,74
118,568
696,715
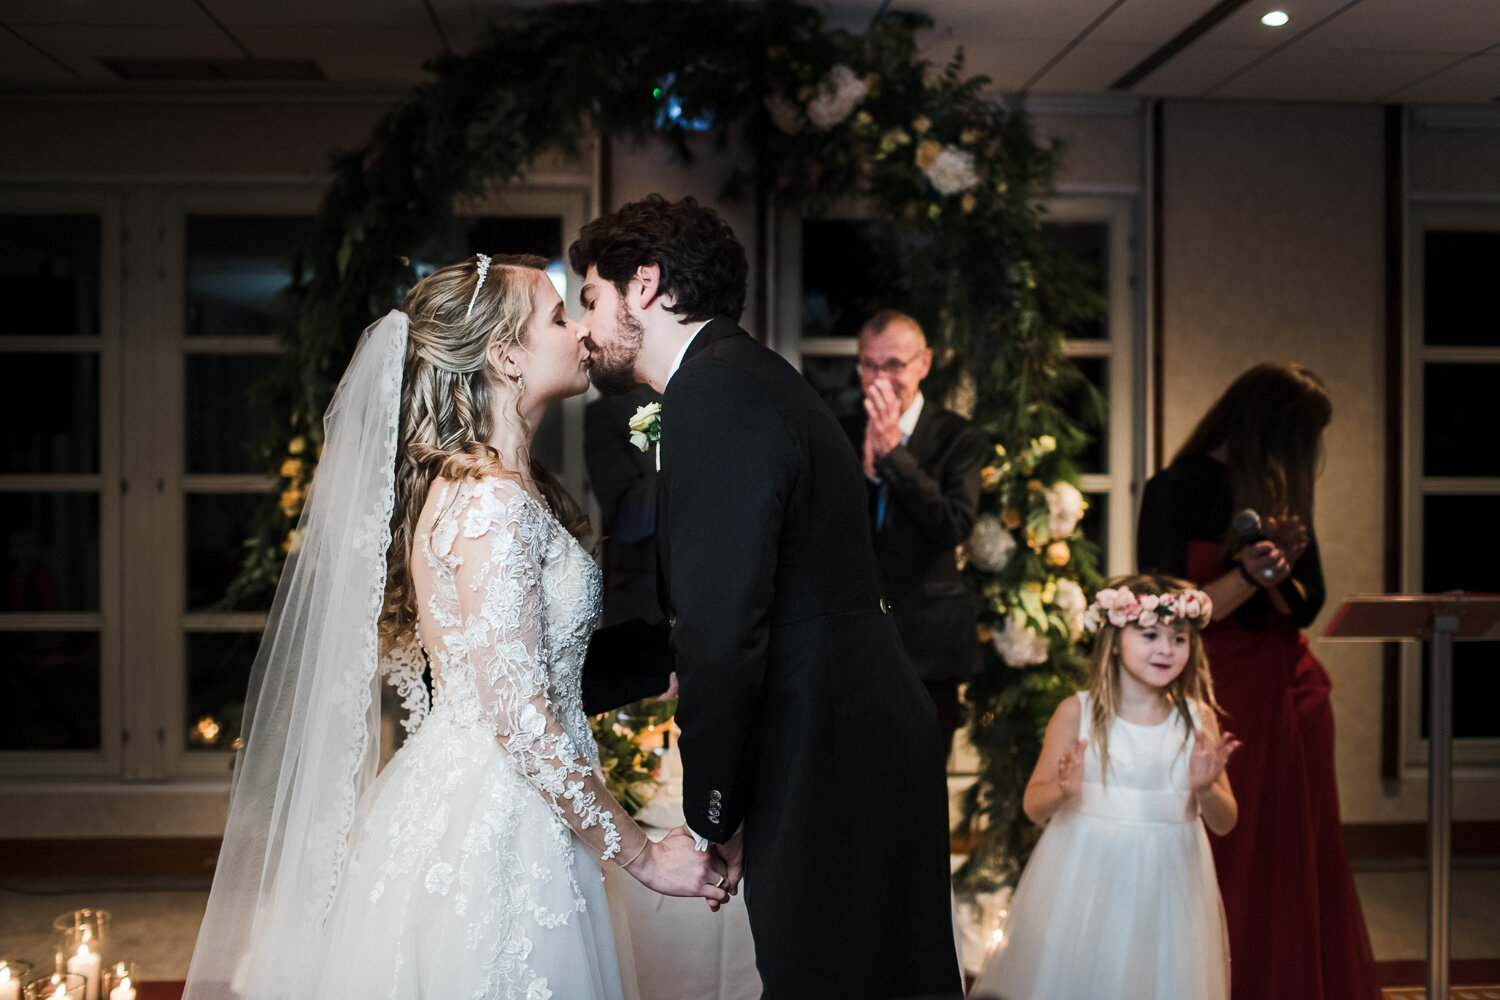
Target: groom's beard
612,366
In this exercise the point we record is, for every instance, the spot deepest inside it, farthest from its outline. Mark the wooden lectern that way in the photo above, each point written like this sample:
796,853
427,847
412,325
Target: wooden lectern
1439,619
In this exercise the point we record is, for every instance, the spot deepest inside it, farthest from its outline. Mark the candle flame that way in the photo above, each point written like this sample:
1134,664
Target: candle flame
4,972
62,991
83,951
998,936
125,983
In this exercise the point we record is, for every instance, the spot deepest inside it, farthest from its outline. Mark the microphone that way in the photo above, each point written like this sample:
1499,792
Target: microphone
1247,524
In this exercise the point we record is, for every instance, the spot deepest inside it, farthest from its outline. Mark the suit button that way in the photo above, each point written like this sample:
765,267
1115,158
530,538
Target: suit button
885,608
672,622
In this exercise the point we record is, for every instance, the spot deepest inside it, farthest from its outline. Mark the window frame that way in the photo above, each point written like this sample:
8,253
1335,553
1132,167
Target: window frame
1473,758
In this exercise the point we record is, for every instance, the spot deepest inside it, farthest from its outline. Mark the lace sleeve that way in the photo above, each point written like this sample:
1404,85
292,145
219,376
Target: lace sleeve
497,556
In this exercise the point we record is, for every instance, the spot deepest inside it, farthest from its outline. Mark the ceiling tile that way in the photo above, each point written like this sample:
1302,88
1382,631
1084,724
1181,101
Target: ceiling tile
1092,67
352,54
1474,80
83,46
1195,69
1295,73
19,61
97,12
1460,26
1243,27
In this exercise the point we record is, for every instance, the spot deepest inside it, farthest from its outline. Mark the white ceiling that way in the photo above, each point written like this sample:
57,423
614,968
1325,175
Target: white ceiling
1402,51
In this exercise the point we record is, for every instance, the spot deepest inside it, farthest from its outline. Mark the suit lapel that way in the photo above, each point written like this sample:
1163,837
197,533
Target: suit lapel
922,439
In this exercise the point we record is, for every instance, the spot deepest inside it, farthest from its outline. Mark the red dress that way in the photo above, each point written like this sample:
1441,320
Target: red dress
1295,924
1296,929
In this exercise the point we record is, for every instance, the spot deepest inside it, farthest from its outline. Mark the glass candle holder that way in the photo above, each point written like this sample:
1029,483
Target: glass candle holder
82,937
58,986
13,972
119,982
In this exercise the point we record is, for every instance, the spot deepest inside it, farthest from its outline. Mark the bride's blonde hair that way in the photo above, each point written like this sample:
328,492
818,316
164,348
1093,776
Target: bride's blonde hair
447,404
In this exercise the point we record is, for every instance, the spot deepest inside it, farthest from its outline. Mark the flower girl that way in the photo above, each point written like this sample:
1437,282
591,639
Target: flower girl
1119,898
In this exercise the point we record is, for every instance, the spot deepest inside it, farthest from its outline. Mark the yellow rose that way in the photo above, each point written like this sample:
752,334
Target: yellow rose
291,468
921,124
1034,485
1035,540
1058,553
928,150
989,478
296,445
968,203
933,211
291,501
985,633
1011,518
872,84
969,136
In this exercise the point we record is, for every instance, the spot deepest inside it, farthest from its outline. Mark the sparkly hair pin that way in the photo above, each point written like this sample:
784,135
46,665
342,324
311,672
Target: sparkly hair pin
484,269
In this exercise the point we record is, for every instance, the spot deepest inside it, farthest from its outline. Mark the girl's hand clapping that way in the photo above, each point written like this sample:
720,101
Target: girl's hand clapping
1210,755
1070,769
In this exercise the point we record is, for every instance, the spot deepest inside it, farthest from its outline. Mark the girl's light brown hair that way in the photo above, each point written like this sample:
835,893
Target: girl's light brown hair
1270,423
1193,684
447,404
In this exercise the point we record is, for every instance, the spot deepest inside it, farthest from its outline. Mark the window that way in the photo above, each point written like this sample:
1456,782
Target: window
1453,473
139,328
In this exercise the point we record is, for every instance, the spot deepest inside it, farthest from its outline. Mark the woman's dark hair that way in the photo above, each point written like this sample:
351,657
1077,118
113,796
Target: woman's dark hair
703,266
1270,423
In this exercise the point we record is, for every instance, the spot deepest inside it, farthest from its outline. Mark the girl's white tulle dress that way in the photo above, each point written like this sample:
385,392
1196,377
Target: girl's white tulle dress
1119,899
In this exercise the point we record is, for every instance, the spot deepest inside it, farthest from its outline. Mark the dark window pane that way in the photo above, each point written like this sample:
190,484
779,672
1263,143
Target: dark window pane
1095,456
1088,243
1460,549
1458,401
50,412
236,267
218,672
49,684
1459,278
847,276
836,378
217,526
1476,685
49,274
226,415
1095,525
51,551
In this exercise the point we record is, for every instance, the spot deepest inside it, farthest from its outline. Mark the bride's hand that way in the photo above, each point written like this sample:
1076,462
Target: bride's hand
673,866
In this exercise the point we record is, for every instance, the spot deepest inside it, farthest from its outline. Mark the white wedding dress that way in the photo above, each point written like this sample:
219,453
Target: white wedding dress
473,871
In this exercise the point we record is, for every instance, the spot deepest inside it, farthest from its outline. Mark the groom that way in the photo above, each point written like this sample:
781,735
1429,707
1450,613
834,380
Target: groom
811,755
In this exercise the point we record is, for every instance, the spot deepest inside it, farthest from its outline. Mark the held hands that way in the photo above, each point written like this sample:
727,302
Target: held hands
1208,759
732,854
883,432
1070,770
1266,564
673,866
1290,536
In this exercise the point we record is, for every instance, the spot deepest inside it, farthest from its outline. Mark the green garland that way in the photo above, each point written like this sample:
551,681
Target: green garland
953,179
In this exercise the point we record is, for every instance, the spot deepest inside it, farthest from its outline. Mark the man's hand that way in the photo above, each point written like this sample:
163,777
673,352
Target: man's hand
883,432
673,866
731,854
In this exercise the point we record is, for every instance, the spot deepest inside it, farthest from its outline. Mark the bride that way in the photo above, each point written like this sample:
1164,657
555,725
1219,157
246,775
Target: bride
469,867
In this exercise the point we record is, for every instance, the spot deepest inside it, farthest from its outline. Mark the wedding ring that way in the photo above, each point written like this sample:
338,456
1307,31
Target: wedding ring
1268,573
719,884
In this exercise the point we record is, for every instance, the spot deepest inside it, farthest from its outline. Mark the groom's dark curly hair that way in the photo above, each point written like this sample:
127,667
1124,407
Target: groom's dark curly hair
703,265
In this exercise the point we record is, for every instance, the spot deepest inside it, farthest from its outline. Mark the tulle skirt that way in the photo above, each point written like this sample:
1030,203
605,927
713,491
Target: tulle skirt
1111,909
463,883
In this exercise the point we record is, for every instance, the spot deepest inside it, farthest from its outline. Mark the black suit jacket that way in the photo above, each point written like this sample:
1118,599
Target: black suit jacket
933,483
800,714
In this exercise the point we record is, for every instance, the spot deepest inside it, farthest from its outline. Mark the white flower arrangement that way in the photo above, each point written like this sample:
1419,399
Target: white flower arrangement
1065,507
645,426
839,93
990,545
1071,602
1018,643
952,171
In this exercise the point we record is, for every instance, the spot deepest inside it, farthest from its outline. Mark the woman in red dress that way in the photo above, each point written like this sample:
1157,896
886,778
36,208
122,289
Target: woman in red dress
1295,925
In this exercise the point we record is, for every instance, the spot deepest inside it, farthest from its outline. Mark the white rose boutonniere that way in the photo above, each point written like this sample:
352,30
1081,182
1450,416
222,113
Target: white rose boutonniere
645,426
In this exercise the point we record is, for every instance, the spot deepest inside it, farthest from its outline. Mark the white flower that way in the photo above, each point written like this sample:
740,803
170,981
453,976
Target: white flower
990,546
645,426
1065,507
952,171
839,93
1018,644
1047,443
1071,603
785,115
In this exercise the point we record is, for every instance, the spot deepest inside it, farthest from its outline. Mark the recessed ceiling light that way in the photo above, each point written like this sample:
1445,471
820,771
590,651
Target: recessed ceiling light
1274,18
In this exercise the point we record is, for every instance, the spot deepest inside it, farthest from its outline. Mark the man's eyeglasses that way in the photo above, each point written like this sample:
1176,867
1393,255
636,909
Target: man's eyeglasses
892,367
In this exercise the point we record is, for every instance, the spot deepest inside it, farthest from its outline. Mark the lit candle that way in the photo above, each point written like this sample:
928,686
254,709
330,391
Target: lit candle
124,991
85,964
9,988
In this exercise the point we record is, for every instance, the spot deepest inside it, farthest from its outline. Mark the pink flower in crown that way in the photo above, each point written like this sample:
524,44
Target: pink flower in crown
1126,608
1147,619
1194,604
1105,598
1149,602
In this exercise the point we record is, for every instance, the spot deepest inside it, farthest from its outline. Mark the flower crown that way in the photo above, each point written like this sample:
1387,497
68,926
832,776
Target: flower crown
1119,607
